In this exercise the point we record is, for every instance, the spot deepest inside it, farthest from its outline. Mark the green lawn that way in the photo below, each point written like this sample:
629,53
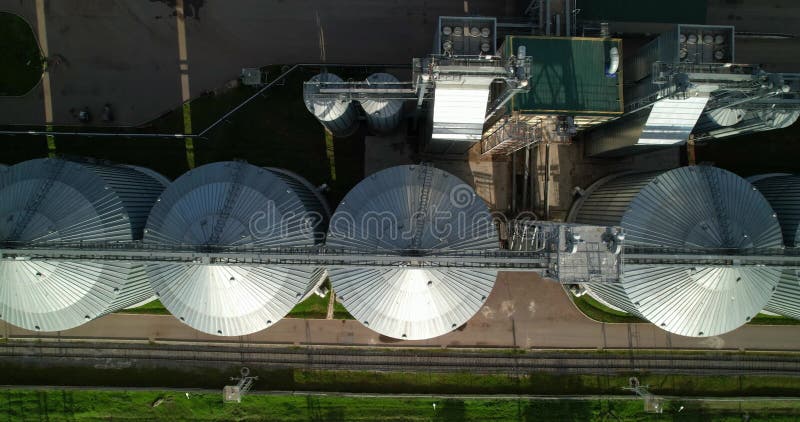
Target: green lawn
215,375
155,308
275,130
176,406
599,312
316,307
20,58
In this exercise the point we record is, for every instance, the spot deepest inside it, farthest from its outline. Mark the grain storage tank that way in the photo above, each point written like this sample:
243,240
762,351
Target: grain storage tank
337,114
719,118
686,208
55,200
754,121
783,193
383,115
409,211
234,204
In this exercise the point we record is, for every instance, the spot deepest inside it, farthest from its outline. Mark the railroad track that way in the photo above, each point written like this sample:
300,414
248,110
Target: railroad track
320,358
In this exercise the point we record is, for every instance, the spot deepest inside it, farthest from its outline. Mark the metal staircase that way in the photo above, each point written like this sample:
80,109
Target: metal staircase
720,214
422,207
230,201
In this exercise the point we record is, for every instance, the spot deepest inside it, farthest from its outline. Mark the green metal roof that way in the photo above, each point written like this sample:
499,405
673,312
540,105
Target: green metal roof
568,76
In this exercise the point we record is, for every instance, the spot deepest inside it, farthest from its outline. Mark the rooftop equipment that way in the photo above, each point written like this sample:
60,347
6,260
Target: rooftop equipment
224,206
466,35
686,208
55,201
783,193
383,114
412,211
335,113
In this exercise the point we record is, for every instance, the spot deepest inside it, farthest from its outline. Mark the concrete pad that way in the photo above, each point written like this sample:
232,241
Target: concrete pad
117,52
522,311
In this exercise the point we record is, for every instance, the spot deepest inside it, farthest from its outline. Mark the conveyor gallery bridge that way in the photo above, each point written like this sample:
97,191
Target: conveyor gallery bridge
566,253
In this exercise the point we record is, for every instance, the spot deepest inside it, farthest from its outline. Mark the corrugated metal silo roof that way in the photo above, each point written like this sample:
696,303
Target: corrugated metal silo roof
338,115
783,193
688,207
232,204
380,214
383,115
54,200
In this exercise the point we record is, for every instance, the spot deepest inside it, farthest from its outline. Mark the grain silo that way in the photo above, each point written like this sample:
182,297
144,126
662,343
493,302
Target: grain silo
383,115
409,211
753,121
719,118
783,193
55,200
234,205
693,207
337,114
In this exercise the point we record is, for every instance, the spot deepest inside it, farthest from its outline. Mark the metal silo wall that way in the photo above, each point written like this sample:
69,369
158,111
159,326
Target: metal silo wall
752,121
383,116
73,202
682,208
337,115
234,299
315,204
718,119
783,193
137,190
605,205
608,202
786,299
411,303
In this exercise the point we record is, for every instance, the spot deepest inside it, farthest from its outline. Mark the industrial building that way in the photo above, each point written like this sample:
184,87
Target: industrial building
225,206
56,201
413,250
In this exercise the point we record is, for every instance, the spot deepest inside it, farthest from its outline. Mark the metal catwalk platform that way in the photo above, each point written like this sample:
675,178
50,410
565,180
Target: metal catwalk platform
566,253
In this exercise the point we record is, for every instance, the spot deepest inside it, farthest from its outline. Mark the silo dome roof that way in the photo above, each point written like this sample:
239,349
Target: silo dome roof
55,200
410,210
696,207
232,205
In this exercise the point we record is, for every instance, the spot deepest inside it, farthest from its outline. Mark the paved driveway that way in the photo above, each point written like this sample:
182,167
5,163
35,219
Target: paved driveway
523,310
125,52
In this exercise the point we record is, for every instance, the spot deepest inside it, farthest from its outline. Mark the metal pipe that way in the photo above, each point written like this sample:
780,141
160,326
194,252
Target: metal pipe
567,16
558,24
547,181
526,175
513,183
532,164
541,15
547,17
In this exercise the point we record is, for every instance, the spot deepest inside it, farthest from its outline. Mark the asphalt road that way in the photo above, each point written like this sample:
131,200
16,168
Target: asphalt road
125,52
522,311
